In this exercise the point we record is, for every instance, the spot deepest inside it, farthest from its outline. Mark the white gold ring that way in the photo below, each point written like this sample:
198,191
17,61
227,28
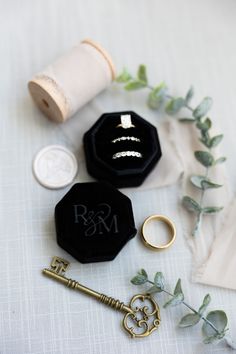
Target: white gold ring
123,138
127,153
125,122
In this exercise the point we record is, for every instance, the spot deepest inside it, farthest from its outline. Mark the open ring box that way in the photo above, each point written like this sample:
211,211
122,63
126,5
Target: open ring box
121,153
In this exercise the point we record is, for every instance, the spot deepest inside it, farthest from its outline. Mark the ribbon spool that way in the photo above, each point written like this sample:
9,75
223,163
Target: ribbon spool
72,80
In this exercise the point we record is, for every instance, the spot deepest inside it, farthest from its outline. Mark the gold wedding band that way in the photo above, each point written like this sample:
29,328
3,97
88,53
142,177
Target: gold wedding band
171,227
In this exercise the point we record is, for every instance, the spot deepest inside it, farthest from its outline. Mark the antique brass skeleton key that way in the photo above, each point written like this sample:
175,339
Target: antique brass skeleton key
139,321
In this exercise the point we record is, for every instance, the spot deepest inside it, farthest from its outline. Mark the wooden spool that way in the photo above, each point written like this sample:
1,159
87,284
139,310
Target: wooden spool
72,81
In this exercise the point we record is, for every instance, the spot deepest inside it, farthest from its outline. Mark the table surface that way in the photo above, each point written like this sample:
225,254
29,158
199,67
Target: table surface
182,42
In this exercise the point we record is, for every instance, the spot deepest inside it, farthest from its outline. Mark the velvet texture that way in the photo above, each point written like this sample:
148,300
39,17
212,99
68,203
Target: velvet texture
94,221
125,171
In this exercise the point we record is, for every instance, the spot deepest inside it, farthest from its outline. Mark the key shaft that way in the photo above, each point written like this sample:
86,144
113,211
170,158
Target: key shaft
73,284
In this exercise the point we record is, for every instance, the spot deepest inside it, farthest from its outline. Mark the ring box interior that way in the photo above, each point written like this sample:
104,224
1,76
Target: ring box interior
94,221
125,171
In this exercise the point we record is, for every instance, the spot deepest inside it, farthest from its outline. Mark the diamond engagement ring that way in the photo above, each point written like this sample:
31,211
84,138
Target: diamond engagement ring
127,153
126,122
124,138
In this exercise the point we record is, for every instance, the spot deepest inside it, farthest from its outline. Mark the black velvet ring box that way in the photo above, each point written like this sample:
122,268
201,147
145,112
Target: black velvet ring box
94,221
107,140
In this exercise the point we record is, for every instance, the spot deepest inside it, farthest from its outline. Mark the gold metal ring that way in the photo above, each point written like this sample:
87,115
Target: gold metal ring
171,227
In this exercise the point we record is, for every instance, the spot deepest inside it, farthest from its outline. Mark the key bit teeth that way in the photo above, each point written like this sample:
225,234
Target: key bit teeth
59,265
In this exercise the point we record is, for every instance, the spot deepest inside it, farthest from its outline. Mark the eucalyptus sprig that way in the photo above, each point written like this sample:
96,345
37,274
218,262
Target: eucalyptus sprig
158,95
215,323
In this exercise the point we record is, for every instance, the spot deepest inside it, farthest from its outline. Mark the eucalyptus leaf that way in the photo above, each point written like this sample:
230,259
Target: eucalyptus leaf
153,290
178,296
202,109
204,126
220,160
205,137
213,339
219,320
142,75
211,210
216,140
157,96
206,184
178,288
124,76
196,180
205,141
186,120
154,102
189,95
189,320
175,300
204,157
159,281
140,278
203,182
174,105
205,303
143,272
134,85
191,204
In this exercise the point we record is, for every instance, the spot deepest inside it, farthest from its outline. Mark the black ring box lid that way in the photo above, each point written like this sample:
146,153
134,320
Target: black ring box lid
94,221
125,171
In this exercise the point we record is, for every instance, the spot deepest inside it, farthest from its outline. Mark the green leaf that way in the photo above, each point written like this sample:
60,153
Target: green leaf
219,319
206,184
174,301
154,101
189,320
204,126
140,278
196,180
134,85
178,296
204,157
159,281
203,182
157,96
124,76
211,210
142,75
174,105
220,160
153,290
205,141
214,339
202,109
143,272
178,288
189,95
216,140
186,120
205,303
190,204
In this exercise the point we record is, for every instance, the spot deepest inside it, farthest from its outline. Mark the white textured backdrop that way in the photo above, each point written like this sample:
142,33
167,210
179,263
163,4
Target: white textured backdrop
182,42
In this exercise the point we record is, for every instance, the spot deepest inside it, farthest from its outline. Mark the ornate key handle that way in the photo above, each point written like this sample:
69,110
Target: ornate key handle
140,320
145,320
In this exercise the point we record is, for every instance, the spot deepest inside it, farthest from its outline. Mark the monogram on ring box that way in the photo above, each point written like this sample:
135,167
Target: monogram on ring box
97,221
94,221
